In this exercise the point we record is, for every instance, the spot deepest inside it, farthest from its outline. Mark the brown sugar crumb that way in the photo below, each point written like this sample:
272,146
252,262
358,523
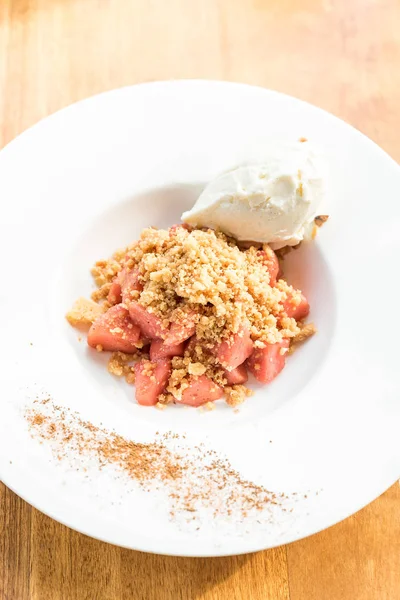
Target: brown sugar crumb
196,368
178,383
289,327
236,394
101,293
161,406
209,406
104,271
119,365
166,399
84,312
306,331
130,376
148,368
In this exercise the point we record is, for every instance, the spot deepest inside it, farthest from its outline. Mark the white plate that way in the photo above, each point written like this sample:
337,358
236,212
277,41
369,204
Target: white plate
84,182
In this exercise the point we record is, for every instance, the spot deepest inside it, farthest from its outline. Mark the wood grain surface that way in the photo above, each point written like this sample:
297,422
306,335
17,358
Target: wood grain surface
343,55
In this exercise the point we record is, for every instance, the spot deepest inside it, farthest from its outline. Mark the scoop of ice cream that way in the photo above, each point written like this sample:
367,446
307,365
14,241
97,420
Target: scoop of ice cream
274,201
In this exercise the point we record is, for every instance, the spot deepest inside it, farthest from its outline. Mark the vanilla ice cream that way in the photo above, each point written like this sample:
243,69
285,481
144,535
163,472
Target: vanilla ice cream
274,201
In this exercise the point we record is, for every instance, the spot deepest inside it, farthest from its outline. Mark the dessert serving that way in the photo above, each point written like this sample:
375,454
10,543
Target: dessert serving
190,311
187,481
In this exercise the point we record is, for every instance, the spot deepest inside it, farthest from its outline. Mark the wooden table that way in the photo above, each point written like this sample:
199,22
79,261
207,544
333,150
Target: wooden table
343,55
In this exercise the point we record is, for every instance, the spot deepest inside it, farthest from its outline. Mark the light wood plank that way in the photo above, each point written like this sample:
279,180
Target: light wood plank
252,576
68,565
357,559
15,546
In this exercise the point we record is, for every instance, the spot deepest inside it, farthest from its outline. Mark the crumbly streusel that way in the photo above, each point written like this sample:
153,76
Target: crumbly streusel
84,312
306,331
236,394
200,272
205,271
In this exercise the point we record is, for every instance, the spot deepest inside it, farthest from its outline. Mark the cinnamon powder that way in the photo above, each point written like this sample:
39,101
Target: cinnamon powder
194,478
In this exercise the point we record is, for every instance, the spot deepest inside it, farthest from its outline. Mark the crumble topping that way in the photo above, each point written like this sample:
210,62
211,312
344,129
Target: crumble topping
306,331
205,272
201,278
84,312
101,293
121,365
237,394
104,271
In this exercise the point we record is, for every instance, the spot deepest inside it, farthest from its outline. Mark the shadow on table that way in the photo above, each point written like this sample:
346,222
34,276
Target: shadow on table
174,577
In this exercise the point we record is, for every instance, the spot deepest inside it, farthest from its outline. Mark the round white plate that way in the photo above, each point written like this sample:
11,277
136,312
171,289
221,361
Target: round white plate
84,182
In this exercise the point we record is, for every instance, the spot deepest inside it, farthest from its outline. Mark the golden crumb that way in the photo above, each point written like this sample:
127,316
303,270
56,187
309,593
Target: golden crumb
130,376
121,364
84,312
161,406
148,368
99,348
166,399
196,368
101,293
116,363
104,271
236,394
209,406
115,367
306,331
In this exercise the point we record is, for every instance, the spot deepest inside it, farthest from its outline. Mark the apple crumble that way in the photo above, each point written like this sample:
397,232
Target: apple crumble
187,313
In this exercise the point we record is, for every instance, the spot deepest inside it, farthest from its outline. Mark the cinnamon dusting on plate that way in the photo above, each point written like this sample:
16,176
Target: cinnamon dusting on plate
194,478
